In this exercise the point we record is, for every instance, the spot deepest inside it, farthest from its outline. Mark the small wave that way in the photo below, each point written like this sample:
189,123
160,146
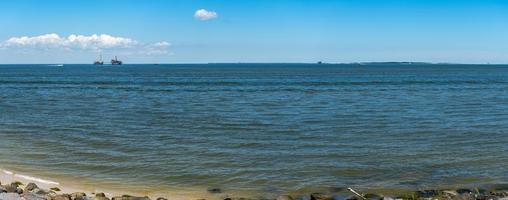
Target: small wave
58,65
30,178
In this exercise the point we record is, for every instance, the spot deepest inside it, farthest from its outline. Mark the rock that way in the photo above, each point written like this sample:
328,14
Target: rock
61,197
100,194
10,196
10,188
31,186
214,190
284,197
427,193
78,196
373,196
487,197
499,193
128,197
43,192
450,193
352,197
464,191
161,198
320,196
464,197
17,183
34,196
55,189
19,190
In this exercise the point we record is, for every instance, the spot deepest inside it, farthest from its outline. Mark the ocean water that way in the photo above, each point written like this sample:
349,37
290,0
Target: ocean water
257,128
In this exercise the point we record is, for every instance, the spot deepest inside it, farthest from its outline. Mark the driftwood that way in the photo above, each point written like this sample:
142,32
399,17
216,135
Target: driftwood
356,193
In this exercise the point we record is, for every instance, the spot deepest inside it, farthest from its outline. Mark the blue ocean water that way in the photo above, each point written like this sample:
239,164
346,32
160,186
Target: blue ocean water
268,128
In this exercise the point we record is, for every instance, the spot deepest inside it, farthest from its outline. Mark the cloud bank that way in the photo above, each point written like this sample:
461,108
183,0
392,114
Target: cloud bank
204,15
93,42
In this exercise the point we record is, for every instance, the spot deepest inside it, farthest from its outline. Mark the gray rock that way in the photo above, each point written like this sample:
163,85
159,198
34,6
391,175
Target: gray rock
284,197
61,197
427,193
500,193
464,191
43,192
321,196
127,197
30,187
34,196
78,196
10,196
10,188
464,197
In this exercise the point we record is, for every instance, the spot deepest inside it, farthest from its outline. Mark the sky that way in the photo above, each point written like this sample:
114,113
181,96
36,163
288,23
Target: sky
203,31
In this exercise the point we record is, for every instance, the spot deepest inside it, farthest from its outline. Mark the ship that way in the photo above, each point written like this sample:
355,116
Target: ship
99,62
116,61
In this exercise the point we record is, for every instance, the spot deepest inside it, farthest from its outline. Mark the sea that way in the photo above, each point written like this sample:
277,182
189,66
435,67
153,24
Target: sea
256,130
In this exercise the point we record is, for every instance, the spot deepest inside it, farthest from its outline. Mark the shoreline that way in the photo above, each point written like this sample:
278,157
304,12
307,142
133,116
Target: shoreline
67,186
55,190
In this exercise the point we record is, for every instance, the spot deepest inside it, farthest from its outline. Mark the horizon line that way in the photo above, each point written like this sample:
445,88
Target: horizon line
317,63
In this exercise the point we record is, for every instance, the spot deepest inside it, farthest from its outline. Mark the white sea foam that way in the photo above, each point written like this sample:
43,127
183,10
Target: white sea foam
36,179
29,178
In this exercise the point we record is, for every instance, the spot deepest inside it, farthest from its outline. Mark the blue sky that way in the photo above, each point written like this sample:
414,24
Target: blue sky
167,31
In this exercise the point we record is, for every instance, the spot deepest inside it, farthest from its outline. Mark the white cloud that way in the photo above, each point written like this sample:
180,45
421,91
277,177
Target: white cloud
93,42
204,15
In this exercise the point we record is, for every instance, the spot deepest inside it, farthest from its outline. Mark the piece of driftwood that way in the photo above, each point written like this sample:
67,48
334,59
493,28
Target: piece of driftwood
356,193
